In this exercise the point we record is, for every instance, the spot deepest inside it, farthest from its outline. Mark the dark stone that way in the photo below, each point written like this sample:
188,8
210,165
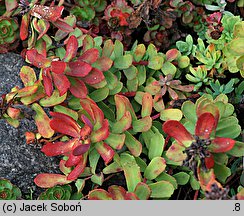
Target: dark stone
19,162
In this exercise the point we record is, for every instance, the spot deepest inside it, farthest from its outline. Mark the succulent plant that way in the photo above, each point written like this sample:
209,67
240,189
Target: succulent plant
56,193
8,33
8,191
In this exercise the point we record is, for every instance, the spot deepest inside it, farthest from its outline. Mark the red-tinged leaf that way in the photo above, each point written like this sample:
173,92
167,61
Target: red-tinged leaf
156,166
147,105
65,170
116,141
172,54
175,152
48,180
99,194
41,47
134,146
209,162
89,56
47,13
64,124
58,67
103,63
24,32
142,191
106,152
27,91
206,179
173,94
78,88
47,81
122,103
204,125
28,76
58,148
42,121
240,195
221,144
79,169
94,77
71,48
142,125
102,133
117,192
81,149
78,69
37,59
86,121
176,130
73,160
123,124
131,196
108,48
13,112
41,26
61,82
62,25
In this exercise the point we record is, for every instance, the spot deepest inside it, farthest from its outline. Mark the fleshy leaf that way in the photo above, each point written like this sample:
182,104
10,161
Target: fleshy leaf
147,105
78,69
64,124
58,148
142,191
48,180
99,194
78,88
89,56
116,140
175,152
155,168
62,25
102,133
204,126
221,144
24,26
123,124
58,67
161,189
42,121
103,63
171,114
95,76
81,149
134,146
143,124
53,100
71,48
28,76
117,192
62,83
47,81
106,152
37,59
176,130
131,171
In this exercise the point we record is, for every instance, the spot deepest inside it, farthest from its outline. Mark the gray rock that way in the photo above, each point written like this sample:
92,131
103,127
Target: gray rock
19,162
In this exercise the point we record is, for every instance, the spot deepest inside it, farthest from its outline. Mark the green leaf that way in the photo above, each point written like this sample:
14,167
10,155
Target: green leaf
156,62
133,144
194,183
142,74
156,145
221,172
107,111
142,191
123,62
161,189
131,171
99,94
53,100
155,168
28,76
131,72
99,194
132,85
118,49
189,110
168,68
97,178
139,52
182,178
171,114
93,160
112,168
62,109
116,141
141,163
237,150
142,125
166,177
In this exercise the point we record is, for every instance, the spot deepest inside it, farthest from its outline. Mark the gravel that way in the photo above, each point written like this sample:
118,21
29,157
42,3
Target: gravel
20,162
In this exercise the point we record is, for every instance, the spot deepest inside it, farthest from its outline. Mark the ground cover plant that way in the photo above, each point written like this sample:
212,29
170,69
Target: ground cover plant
139,99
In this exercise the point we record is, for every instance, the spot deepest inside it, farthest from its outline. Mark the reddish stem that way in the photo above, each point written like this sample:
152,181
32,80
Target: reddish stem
128,94
155,116
196,194
85,31
140,63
